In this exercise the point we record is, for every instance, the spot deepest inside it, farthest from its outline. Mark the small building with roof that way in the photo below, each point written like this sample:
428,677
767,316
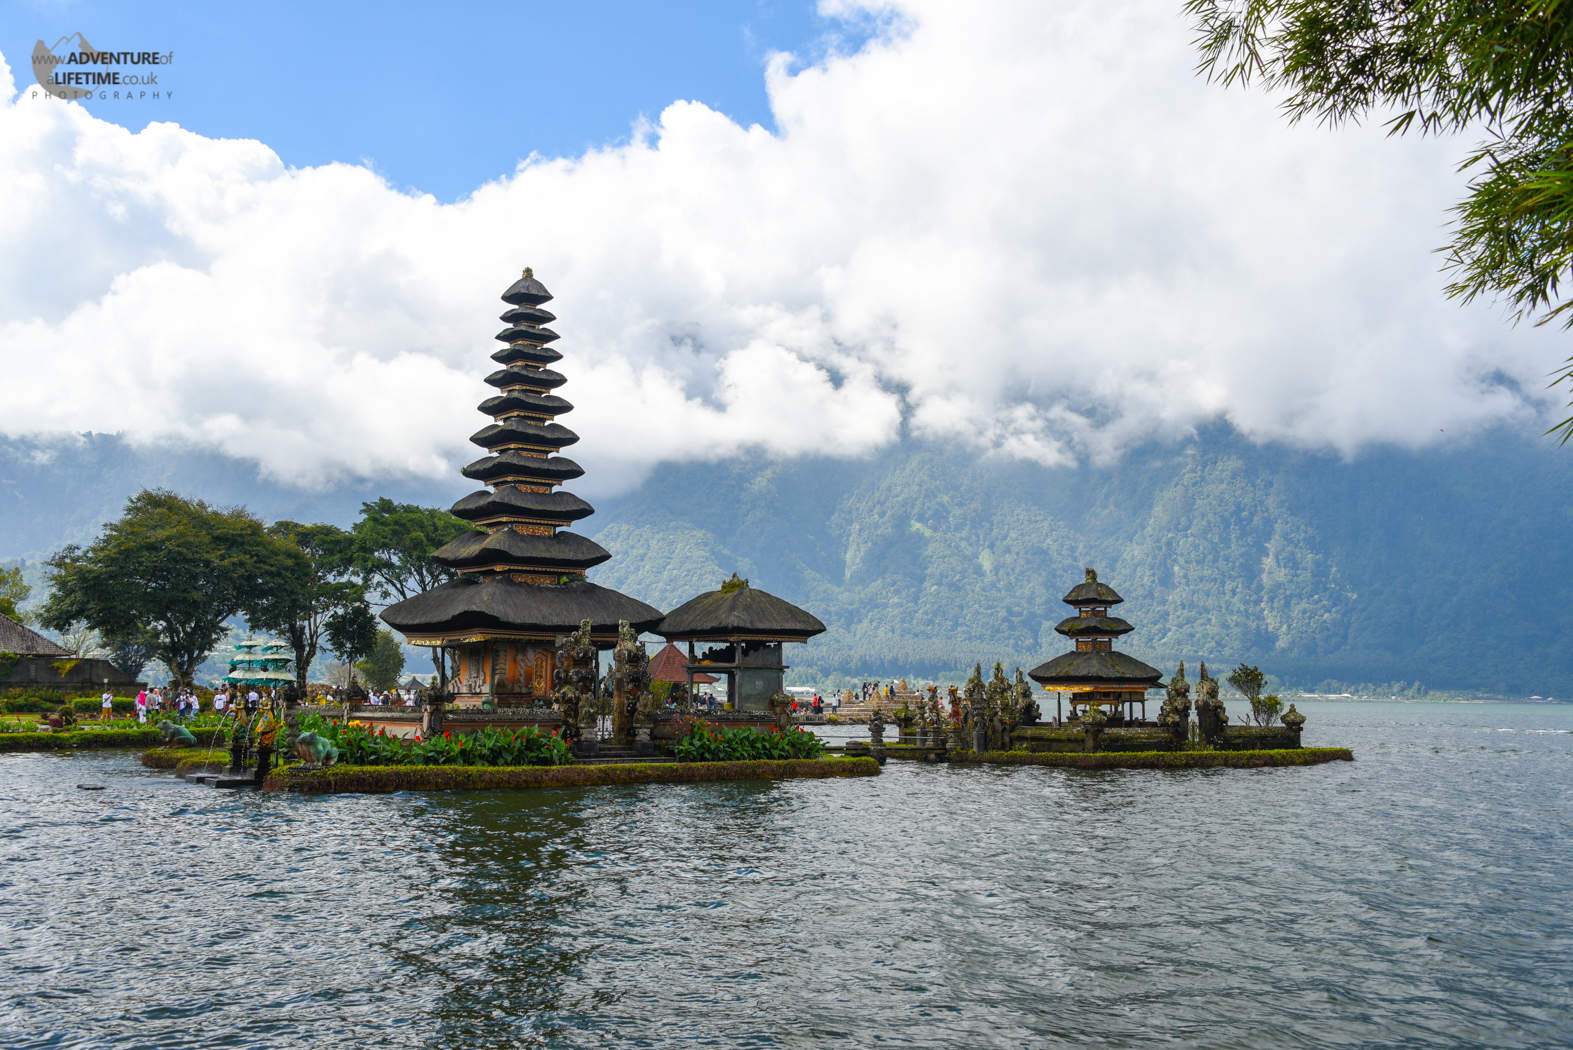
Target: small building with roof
743,630
28,660
1093,674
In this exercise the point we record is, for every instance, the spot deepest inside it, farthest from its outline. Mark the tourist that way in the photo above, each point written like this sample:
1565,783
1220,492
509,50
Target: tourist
180,707
106,710
253,701
141,706
220,700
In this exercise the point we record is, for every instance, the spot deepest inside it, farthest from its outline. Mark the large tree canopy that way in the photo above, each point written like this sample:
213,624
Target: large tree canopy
168,574
393,544
300,612
1502,69
13,592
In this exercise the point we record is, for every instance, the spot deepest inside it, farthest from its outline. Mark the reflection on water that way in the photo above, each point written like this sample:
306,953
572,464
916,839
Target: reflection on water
1416,898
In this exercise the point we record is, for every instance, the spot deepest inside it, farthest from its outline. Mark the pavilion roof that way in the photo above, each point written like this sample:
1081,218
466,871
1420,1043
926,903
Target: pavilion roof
24,641
739,611
1095,668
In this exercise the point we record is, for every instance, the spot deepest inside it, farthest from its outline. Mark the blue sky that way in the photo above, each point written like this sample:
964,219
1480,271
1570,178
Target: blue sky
436,98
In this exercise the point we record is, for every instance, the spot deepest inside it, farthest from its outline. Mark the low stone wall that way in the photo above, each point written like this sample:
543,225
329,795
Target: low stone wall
1257,738
1052,739
385,779
1300,756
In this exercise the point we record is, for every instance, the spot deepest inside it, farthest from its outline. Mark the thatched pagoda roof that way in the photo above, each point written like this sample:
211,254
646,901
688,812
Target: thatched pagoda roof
737,610
1095,668
511,500
511,463
1092,592
505,547
501,603
1096,626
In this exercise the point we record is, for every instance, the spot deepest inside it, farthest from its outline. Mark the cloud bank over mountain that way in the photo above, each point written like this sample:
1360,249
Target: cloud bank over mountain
1028,229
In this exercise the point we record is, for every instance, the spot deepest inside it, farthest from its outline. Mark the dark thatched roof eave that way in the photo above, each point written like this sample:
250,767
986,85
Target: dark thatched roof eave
496,602
1077,626
740,612
1095,668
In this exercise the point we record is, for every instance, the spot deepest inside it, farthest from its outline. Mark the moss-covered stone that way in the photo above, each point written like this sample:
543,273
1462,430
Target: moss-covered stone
173,757
1303,756
384,779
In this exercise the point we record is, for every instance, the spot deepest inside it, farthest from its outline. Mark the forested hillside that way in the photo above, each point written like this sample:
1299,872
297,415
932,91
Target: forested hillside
1448,568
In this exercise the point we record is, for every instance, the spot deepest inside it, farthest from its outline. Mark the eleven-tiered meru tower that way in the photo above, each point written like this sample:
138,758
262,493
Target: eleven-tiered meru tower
521,579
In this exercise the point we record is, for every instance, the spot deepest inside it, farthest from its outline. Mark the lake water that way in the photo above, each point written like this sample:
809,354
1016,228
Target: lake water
1421,896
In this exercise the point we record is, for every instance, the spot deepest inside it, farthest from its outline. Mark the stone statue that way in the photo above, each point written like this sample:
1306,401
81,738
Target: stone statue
1211,715
1293,719
315,751
1027,713
1002,708
433,700
1176,710
975,710
176,735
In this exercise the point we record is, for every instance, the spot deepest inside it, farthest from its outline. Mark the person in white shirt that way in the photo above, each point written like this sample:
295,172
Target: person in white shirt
107,708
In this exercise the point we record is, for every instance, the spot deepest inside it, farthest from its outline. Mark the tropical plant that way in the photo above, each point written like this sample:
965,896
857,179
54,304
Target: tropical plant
710,743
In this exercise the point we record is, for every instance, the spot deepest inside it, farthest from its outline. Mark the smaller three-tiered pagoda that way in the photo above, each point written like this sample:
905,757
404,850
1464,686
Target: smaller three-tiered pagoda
1093,674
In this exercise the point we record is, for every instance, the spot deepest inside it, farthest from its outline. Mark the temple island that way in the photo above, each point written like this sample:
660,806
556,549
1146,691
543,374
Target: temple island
522,630
538,666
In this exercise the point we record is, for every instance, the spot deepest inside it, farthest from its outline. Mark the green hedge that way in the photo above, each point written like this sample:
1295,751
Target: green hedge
80,738
1300,756
383,779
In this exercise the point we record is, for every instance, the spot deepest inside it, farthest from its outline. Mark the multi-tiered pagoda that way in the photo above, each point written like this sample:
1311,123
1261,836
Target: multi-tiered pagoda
1093,674
521,579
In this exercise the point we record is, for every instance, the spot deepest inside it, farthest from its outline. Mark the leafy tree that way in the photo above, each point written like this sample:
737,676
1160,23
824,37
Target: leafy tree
1504,68
131,652
13,592
392,545
171,570
382,665
322,589
351,634
1250,681
1247,681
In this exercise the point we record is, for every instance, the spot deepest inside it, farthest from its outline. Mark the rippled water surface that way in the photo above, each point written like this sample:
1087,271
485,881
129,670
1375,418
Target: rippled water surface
1419,897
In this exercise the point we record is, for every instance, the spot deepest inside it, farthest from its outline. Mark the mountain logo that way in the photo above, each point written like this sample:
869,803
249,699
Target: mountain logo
45,59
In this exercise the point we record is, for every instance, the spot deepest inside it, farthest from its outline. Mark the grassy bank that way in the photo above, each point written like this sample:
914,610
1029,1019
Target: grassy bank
383,779
78,739
184,760
1302,756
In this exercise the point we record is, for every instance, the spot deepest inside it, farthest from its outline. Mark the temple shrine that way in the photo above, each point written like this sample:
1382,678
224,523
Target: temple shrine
744,629
521,572
1093,674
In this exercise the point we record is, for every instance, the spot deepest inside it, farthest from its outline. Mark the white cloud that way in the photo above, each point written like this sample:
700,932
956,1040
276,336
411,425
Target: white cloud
1026,226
